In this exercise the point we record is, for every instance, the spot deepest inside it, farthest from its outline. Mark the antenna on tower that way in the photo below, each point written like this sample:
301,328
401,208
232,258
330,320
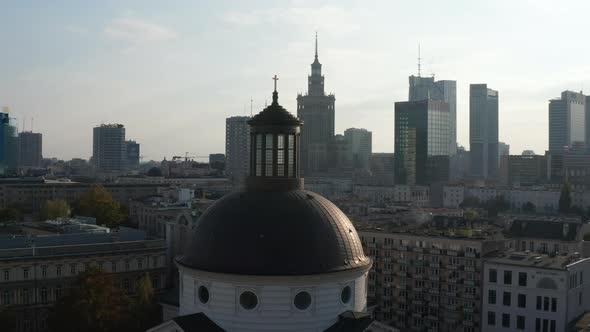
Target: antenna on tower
251,101
316,45
32,121
419,58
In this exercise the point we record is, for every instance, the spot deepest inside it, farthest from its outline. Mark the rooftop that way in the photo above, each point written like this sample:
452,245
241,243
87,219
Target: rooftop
528,259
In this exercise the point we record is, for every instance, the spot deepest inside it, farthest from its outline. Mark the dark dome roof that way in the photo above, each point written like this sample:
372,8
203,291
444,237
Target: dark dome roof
293,232
275,114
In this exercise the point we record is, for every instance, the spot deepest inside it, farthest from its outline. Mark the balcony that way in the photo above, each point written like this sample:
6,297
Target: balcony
469,310
470,268
437,265
468,296
402,273
418,289
434,278
431,317
467,323
402,248
451,294
469,282
418,249
433,291
418,276
471,254
419,263
371,245
435,251
433,304
452,253
452,267
404,261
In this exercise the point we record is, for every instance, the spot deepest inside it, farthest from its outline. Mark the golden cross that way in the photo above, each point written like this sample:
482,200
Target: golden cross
275,78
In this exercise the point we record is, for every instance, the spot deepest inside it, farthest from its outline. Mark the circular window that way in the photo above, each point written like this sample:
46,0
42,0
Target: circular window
203,294
248,300
346,294
302,300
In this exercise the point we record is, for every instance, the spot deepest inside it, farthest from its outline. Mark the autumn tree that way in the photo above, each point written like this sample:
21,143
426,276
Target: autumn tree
55,209
93,304
98,202
145,308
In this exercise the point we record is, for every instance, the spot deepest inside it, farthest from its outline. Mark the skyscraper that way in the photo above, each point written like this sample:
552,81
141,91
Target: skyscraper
422,88
421,142
30,149
8,143
237,148
360,144
483,131
567,121
109,148
132,153
316,109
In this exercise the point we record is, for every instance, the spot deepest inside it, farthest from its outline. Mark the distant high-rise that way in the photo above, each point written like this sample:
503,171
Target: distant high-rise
8,143
30,149
567,121
316,110
108,152
483,131
503,150
237,148
360,143
132,152
421,142
422,88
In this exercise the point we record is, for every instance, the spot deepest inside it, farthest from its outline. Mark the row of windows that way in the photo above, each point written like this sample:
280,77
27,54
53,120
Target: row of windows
493,277
62,269
544,325
542,303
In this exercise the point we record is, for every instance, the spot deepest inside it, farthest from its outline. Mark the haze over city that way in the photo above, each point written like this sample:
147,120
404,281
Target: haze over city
172,72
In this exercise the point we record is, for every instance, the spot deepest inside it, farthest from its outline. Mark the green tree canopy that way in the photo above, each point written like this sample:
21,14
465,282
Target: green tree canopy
470,201
496,204
98,202
94,304
55,209
10,214
565,198
529,207
146,309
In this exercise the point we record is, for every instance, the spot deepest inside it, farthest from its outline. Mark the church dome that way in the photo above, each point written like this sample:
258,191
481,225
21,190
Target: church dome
294,232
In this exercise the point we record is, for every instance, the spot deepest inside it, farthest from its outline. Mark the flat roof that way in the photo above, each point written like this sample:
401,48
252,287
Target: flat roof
528,259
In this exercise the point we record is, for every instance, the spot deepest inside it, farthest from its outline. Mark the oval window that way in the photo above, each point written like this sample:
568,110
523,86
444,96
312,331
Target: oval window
302,300
346,294
203,294
248,300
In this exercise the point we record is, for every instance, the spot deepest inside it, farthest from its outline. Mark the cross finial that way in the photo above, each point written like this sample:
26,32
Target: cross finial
275,78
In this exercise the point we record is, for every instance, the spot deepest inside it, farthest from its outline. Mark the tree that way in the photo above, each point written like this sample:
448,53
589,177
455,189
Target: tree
495,205
470,202
565,198
55,209
97,202
10,214
94,304
145,308
529,207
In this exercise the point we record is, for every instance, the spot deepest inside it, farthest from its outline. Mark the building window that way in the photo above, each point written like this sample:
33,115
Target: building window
58,270
268,145
127,265
493,275
545,303
44,271
506,299
6,297
127,286
554,303
25,273
552,325
522,278
44,294
521,300
73,269
154,262
6,275
505,320
57,292
539,303
346,294
491,318
258,155
26,297
302,300
248,300
537,324
140,263
203,294
520,322
491,296
156,283
507,277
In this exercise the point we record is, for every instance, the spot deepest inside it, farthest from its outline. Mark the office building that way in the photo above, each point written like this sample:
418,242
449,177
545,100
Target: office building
523,170
503,150
427,277
8,143
483,131
382,168
30,149
421,142
360,143
237,148
422,88
133,154
316,110
524,291
567,121
108,152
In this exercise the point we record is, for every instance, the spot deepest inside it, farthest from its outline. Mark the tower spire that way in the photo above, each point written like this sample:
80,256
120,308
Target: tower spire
275,94
419,58
316,45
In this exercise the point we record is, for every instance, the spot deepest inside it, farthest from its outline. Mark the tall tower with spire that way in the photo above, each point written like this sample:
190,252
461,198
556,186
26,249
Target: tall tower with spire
317,110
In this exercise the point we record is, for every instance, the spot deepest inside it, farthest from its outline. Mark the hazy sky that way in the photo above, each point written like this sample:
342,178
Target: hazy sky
172,71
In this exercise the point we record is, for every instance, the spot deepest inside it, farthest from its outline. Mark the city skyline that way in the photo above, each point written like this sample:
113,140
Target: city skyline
155,69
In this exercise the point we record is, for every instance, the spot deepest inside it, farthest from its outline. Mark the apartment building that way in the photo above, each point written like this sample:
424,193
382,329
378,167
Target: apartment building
536,293
428,278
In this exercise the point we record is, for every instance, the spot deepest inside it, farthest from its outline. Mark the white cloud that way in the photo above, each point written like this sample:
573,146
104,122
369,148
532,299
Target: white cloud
137,31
